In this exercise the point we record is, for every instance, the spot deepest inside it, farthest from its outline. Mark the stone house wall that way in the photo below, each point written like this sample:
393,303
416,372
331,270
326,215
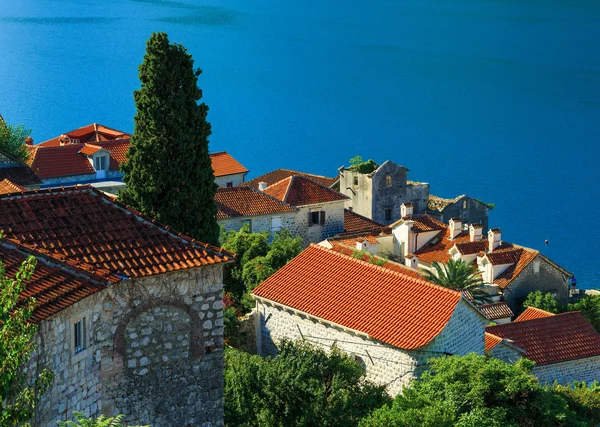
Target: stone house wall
587,369
505,353
384,364
547,279
154,353
5,162
468,209
334,222
235,180
260,222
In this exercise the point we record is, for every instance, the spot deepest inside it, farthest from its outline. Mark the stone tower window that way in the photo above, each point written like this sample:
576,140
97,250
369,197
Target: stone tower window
388,214
356,181
388,180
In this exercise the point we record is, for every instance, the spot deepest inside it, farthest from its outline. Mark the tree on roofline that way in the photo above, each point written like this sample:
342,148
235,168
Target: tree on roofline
168,174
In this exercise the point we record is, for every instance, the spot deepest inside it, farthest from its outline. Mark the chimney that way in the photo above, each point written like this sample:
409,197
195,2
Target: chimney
454,225
262,186
361,244
494,238
475,232
29,140
64,140
406,209
411,261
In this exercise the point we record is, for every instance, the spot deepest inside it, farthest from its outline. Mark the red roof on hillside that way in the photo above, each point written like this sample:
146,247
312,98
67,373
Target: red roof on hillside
7,186
94,132
246,201
280,174
224,164
395,308
301,191
533,313
552,339
84,228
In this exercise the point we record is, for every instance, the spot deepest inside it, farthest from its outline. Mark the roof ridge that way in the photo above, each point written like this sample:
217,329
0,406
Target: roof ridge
304,173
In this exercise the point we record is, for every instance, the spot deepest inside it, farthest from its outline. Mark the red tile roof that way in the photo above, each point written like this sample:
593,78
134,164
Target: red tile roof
490,341
496,310
354,222
20,175
7,186
223,164
301,191
82,227
424,223
397,309
552,339
504,257
525,256
246,201
89,149
90,133
439,250
533,313
55,286
280,174
470,248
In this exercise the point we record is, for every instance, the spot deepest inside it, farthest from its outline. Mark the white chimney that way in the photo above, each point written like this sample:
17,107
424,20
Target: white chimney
262,186
475,231
411,261
361,244
406,209
494,238
454,225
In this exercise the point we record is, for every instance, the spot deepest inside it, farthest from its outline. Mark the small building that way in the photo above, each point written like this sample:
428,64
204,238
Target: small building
390,321
379,194
468,209
277,175
228,171
237,206
320,209
129,312
565,347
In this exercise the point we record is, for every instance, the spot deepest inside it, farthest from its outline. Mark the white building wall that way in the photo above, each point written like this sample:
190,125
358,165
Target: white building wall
235,179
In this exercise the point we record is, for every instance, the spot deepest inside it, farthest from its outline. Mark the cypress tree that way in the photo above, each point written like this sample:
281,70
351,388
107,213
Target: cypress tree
169,172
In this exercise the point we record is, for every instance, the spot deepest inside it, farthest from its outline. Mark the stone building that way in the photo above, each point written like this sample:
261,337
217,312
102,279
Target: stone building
228,171
237,206
320,209
468,209
390,321
129,312
565,347
379,194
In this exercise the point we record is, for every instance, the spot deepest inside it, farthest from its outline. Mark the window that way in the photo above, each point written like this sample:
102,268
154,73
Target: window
356,181
100,163
79,335
249,222
316,218
388,180
229,184
388,214
464,204
275,224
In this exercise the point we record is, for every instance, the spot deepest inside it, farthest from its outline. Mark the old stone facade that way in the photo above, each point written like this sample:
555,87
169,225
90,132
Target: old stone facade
565,373
378,195
330,221
468,209
230,180
384,364
153,351
539,275
259,223
506,352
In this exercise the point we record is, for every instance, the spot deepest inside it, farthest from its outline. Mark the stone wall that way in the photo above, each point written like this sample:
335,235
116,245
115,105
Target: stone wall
505,353
5,162
334,222
468,209
260,222
548,279
587,369
154,353
235,180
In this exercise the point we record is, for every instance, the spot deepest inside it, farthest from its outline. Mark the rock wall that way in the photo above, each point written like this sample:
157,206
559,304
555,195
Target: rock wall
587,369
154,353
468,209
334,222
260,222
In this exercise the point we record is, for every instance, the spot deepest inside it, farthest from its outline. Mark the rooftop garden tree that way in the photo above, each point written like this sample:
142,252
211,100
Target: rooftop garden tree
12,141
169,173
20,390
358,165
459,275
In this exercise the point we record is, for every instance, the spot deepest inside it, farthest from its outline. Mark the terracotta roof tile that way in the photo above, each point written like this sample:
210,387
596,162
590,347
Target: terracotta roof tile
397,309
280,174
91,133
533,313
439,250
301,191
7,186
20,175
246,201
354,222
84,228
552,339
53,162
525,256
491,341
496,310
223,164
470,248
424,223
89,149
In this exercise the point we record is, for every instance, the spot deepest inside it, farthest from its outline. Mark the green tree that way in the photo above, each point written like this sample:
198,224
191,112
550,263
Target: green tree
12,141
358,165
590,308
475,390
19,390
459,275
82,421
169,173
543,301
302,386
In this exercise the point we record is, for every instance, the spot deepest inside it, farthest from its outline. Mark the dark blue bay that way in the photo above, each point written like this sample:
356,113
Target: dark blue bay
497,99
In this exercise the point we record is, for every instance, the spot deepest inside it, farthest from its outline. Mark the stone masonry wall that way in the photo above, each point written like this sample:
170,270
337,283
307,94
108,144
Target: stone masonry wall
505,353
587,369
474,213
261,223
334,222
154,353
549,279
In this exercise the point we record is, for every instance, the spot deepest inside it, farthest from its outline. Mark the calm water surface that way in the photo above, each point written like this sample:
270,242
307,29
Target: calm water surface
497,99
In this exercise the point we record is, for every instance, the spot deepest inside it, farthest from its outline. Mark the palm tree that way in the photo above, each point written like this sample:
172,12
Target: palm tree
459,275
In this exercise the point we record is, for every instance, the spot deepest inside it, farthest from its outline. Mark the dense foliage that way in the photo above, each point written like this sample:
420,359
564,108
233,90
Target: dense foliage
12,141
19,390
590,308
82,421
169,172
358,165
475,390
543,301
459,275
301,386
257,259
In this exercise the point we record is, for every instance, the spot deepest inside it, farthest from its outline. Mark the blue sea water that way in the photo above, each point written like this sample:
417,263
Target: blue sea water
499,99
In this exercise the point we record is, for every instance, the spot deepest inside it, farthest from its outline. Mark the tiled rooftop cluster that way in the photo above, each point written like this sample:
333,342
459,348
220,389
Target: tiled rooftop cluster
20,175
298,190
92,133
246,201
